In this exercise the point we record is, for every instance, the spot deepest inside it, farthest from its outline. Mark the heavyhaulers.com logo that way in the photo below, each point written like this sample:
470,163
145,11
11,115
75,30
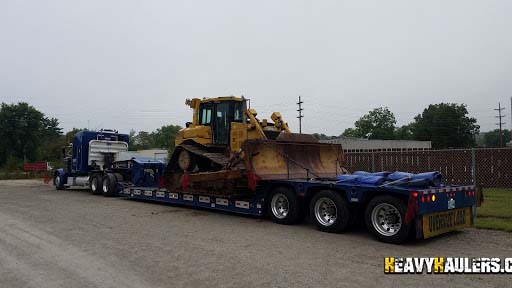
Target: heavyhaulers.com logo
447,265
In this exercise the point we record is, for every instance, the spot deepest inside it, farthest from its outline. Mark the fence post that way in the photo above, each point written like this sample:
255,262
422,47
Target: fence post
373,161
473,165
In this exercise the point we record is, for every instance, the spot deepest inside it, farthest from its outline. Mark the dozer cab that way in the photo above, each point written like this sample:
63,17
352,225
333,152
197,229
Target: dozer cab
227,147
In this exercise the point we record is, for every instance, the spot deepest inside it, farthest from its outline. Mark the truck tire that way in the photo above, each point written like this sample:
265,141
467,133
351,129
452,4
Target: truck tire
95,184
109,183
284,206
384,217
58,182
330,211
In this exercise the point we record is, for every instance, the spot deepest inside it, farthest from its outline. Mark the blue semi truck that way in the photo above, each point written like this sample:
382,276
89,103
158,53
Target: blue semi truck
394,206
87,158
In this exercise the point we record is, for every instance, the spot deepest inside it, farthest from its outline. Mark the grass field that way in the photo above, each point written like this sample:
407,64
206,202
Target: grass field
496,210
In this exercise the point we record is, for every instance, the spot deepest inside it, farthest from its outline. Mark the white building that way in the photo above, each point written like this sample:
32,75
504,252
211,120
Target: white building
351,144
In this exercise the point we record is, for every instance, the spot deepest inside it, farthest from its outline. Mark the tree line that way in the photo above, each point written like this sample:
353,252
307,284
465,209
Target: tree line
446,125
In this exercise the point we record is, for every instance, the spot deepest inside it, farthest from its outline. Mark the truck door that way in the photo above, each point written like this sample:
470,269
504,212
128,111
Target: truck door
221,122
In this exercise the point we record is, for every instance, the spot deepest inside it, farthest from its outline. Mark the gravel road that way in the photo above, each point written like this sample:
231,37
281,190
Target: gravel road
70,238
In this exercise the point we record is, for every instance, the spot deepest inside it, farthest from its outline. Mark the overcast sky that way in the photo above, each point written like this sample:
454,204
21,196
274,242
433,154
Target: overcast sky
131,64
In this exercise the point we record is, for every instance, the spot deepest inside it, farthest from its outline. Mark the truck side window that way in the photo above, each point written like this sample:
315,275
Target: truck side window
205,115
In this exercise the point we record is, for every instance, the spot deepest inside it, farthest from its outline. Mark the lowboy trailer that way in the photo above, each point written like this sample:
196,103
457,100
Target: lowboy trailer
393,212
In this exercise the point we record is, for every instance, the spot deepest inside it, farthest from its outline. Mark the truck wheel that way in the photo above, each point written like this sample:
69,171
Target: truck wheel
59,182
95,184
109,183
283,206
384,217
330,211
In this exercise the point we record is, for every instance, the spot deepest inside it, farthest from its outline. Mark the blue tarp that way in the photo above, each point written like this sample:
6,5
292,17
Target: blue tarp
395,178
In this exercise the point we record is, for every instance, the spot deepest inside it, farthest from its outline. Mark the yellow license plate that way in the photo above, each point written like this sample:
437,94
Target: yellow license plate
446,221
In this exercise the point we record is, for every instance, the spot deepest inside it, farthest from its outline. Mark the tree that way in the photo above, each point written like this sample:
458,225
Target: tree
160,138
377,124
404,132
447,125
25,133
132,145
164,137
143,140
492,138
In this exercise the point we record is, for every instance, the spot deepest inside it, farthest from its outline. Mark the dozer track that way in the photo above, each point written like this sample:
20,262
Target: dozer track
221,180
215,157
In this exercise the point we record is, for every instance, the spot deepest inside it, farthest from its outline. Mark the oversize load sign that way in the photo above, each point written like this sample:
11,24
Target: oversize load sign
442,222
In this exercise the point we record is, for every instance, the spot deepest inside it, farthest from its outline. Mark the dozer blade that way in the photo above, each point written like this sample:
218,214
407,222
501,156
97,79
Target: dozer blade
289,159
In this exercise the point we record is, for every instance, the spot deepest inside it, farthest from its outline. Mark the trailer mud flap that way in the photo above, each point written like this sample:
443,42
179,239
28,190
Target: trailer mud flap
442,222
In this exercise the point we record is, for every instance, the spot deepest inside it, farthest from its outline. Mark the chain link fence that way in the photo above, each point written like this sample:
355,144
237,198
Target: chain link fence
486,167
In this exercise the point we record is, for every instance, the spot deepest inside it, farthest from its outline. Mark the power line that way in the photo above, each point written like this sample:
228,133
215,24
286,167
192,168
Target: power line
501,123
300,114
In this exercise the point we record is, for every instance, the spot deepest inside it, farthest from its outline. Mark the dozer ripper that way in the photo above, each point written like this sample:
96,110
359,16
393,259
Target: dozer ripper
226,149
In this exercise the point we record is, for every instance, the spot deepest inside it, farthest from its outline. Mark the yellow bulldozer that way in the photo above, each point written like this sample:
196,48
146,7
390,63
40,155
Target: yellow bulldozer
226,149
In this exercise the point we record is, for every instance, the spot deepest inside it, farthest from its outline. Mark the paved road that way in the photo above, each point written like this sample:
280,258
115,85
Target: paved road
69,238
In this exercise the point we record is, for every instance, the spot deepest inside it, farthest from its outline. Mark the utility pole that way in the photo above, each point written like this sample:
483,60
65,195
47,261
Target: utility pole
300,114
500,123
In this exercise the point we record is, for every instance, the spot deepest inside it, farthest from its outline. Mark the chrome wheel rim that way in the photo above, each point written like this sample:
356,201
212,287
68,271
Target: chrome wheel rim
386,219
57,181
105,186
280,205
326,212
94,184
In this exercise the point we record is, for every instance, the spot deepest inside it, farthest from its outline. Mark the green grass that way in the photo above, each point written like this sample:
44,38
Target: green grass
496,210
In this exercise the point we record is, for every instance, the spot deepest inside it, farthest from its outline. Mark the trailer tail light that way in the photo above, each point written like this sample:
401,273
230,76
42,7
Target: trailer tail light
433,198
428,198
422,199
415,194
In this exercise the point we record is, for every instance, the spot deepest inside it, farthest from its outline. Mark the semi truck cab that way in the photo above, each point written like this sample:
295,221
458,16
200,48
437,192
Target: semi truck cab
89,154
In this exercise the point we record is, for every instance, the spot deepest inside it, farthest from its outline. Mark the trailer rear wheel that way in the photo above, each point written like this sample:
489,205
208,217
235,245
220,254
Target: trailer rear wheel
330,211
385,217
95,184
109,183
283,206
